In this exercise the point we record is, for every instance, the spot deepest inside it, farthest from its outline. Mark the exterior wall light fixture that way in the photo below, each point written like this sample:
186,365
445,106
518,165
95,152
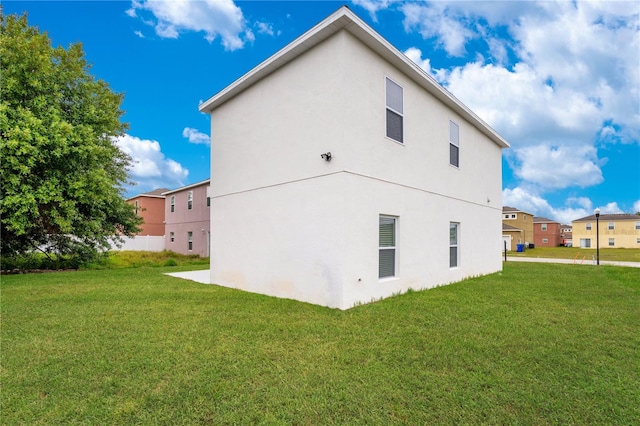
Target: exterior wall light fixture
326,156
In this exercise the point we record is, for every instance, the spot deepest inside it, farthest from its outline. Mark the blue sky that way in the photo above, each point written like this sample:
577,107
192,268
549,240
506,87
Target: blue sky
559,80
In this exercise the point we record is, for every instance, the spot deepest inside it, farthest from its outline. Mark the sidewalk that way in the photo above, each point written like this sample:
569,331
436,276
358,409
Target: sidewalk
203,277
571,261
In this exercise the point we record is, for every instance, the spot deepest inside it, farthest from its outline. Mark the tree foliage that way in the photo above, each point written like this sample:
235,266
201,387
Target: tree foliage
62,174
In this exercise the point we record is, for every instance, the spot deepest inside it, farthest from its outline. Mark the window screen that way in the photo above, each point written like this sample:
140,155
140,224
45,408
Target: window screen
395,110
454,144
387,247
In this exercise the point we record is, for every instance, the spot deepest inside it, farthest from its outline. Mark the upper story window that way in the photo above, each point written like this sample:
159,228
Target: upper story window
544,226
173,203
588,227
137,206
190,200
612,226
637,225
395,110
454,144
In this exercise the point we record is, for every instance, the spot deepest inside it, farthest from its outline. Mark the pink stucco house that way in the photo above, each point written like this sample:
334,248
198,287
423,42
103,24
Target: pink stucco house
187,217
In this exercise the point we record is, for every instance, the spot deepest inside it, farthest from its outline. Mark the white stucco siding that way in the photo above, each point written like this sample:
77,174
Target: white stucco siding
278,128
422,239
285,241
422,161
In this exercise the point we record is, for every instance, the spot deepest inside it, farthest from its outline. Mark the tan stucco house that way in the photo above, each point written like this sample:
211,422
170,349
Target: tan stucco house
616,231
517,228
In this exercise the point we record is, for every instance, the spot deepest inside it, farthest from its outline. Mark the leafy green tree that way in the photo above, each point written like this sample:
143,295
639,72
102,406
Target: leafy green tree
62,175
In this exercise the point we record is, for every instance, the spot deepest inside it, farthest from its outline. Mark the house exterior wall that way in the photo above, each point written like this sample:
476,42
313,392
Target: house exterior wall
626,233
550,237
523,221
151,209
286,223
182,221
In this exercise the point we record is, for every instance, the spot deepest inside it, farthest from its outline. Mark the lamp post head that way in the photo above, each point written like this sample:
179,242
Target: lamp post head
597,212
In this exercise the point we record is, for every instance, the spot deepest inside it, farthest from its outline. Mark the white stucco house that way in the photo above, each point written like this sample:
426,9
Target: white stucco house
342,173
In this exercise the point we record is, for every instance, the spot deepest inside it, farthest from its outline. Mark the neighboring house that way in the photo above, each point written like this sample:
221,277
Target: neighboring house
150,206
519,220
510,236
616,231
342,173
546,232
567,235
187,217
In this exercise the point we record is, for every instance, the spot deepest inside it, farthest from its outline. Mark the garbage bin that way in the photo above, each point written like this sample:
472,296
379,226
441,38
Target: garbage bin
531,245
520,248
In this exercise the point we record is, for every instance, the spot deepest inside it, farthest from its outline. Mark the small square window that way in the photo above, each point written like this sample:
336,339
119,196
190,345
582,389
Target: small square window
545,240
612,242
544,226
588,227
612,226
637,225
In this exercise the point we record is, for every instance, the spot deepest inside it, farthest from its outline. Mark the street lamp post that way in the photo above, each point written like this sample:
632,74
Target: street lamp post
597,212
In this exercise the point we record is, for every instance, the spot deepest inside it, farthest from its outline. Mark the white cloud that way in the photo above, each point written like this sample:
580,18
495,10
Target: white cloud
610,208
215,18
150,168
195,136
139,34
532,202
556,79
373,6
437,21
636,207
558,167
265,28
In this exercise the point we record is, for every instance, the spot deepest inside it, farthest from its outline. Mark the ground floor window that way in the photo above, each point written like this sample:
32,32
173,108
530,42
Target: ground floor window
190,240
545,240
387,247
453,244
172,237
612,242
585,242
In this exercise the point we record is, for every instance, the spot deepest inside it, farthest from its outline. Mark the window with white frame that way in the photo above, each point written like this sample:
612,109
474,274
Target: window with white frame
587,227
387,247
190,200
545,240
453,244
544,226
395,110
190,240
637,225
612,242
585,242
454,144
612,226
173,203
172,236
637,240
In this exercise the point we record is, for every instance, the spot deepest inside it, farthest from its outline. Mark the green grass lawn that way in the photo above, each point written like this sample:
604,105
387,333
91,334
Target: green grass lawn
535,344
615,254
